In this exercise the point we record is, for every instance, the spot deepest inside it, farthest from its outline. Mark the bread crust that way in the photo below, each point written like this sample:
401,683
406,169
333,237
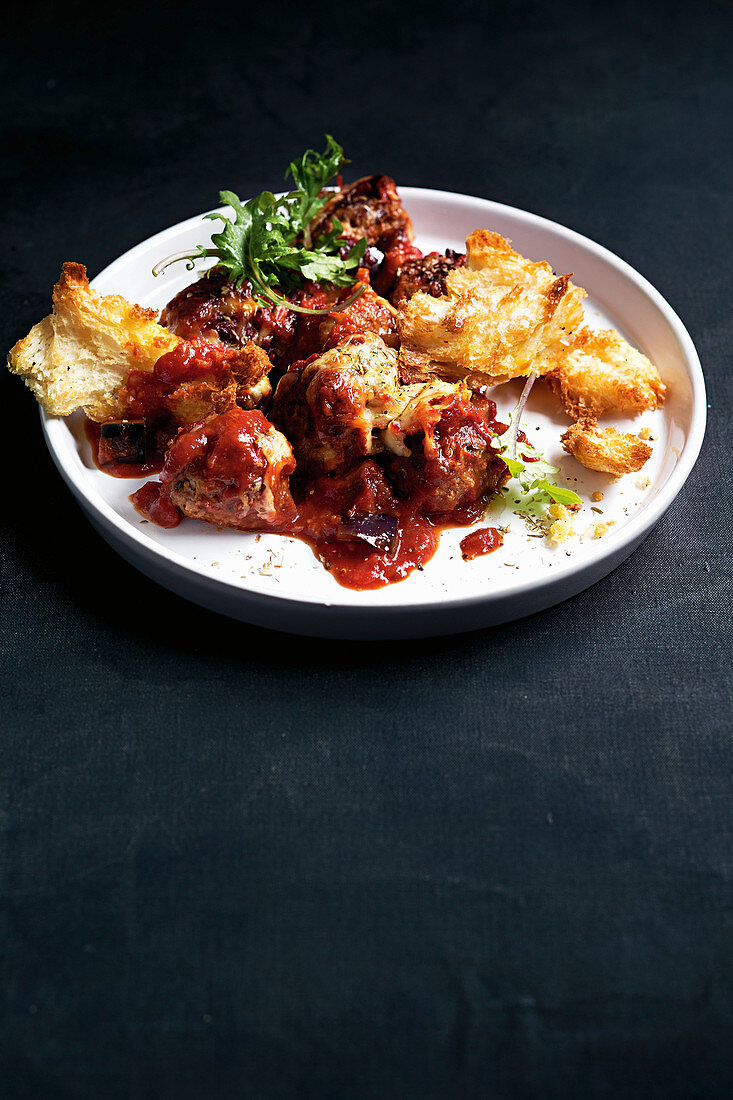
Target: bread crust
605,449
80,355
502,316
602,373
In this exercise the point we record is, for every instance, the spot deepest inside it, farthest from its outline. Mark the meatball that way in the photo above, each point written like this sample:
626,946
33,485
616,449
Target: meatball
448,460
332,406
370,209
215,310
233,470
212,308
426,273
347,404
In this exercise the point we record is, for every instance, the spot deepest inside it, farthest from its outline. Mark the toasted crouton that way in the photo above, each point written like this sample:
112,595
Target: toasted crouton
80,355
502,316
605,449
602,373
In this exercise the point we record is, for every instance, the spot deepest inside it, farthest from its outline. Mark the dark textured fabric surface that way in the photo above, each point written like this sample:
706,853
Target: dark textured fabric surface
234,863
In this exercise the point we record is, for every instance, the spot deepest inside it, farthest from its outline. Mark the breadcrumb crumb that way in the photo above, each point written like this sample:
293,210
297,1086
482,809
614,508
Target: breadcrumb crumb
563,527
598,530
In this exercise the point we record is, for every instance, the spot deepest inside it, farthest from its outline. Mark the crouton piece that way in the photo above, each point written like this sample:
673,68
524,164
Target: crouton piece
602,373
605,449
81,354
502,316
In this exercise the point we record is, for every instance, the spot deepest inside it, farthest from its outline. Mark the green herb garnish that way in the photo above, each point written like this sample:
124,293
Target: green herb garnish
310,175
269,241
534,476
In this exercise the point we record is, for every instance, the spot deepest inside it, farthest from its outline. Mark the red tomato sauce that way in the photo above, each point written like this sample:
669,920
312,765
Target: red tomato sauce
483,541
355,565
367,528
235,459
144,392
319,522
154,503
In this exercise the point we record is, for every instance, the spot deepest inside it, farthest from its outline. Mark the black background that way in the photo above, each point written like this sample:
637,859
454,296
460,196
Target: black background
236,863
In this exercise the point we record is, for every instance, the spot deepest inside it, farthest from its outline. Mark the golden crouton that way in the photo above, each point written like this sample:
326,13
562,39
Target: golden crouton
605,449
602,373
80,355
502,316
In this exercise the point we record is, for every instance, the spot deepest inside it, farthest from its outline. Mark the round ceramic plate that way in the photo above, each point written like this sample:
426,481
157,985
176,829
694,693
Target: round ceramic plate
277,582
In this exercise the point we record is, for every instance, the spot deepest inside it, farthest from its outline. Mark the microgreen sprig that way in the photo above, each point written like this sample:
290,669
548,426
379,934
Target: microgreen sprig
529,468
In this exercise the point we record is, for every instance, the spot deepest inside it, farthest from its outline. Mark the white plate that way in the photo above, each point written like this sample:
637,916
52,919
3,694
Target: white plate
277,582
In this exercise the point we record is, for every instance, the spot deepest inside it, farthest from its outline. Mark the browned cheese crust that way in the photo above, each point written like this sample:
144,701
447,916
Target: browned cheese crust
368,208
602,373
335,408
605,449
502,316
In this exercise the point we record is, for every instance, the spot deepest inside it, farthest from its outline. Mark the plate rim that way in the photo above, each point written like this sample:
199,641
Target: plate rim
611,548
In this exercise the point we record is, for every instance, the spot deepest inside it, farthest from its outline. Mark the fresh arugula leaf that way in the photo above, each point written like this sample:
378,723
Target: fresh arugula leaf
320,267
559,493
534,476
269,242
311,174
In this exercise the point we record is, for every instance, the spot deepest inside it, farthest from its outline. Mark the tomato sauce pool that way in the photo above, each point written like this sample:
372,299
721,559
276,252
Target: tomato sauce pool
355,565
352,562
366,534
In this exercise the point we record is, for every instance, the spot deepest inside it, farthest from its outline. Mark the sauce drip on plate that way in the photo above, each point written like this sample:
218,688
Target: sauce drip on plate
483,541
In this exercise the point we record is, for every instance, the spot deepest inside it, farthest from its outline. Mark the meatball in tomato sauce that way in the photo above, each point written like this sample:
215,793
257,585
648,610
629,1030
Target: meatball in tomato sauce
233,470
